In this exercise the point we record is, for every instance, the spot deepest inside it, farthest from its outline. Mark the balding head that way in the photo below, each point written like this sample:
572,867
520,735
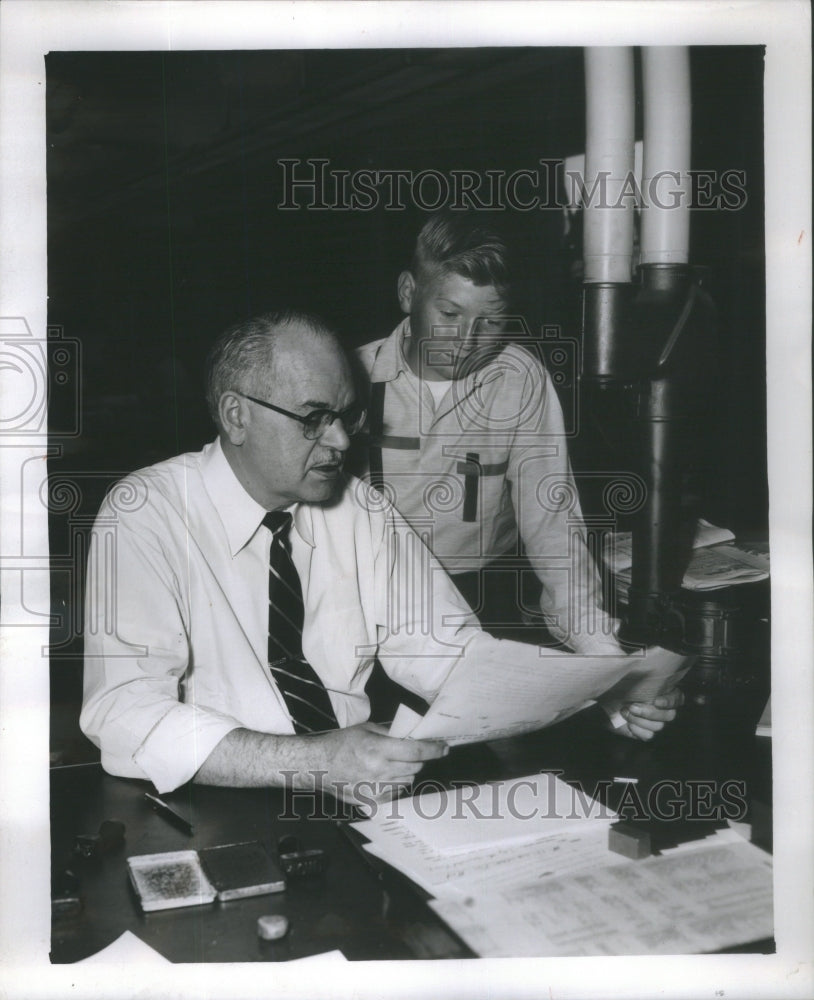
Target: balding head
265,377
245,357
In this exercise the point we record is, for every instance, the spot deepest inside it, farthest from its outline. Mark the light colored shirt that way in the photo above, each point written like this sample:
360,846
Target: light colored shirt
502,429
177,614
438,389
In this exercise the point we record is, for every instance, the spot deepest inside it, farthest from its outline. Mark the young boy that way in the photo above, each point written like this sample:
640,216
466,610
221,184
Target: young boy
466,436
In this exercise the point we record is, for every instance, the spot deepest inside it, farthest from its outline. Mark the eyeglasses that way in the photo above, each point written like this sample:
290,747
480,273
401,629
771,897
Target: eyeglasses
317,422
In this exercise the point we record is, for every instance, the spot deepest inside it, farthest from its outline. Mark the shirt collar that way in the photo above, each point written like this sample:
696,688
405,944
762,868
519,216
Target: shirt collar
240,515
390,360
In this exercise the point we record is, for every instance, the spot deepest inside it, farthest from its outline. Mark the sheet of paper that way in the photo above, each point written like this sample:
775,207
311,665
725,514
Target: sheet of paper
490,695
404,721
499,812
710,898
764,723
655,671
462,874
722,566
715,567
127,948
618,552
500,832
320,959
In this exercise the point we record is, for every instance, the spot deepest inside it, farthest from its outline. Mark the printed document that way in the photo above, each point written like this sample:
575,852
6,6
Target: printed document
702,900
491,696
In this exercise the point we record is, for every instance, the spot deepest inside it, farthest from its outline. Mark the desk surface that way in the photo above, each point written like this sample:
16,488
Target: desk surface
367,913
349,907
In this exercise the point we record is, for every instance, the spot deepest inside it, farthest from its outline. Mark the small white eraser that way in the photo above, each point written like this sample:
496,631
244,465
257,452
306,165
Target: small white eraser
272,927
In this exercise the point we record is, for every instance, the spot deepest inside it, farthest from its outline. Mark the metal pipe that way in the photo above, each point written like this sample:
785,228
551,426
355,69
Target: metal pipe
665,237
608,217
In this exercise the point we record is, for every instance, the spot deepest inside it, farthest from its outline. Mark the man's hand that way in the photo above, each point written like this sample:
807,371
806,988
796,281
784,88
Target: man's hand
363,763
644,720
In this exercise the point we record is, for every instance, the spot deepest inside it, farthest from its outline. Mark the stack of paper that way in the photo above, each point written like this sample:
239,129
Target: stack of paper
495,834
522,868
716,560
724,565
716,895
618,553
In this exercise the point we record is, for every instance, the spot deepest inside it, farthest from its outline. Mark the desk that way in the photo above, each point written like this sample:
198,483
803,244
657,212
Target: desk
349,907
366,914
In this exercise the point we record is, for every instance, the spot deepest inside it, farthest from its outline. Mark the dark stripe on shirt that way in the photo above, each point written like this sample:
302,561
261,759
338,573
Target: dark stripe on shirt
465,468
471,478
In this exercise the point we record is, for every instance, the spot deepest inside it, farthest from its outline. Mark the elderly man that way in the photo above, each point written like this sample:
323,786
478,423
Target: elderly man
238,597
467,437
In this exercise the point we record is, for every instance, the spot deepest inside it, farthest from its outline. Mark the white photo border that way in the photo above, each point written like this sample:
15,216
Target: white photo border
31,28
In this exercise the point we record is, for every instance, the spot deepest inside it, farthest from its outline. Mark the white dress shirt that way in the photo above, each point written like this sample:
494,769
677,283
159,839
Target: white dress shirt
177,614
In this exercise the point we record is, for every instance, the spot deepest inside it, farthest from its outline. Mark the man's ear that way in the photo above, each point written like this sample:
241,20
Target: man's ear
406,290
233,411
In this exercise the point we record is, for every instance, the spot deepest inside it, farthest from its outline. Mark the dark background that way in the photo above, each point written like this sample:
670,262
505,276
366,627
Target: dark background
164,228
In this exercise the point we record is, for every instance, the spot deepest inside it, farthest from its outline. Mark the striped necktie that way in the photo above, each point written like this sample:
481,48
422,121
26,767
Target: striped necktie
305,695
